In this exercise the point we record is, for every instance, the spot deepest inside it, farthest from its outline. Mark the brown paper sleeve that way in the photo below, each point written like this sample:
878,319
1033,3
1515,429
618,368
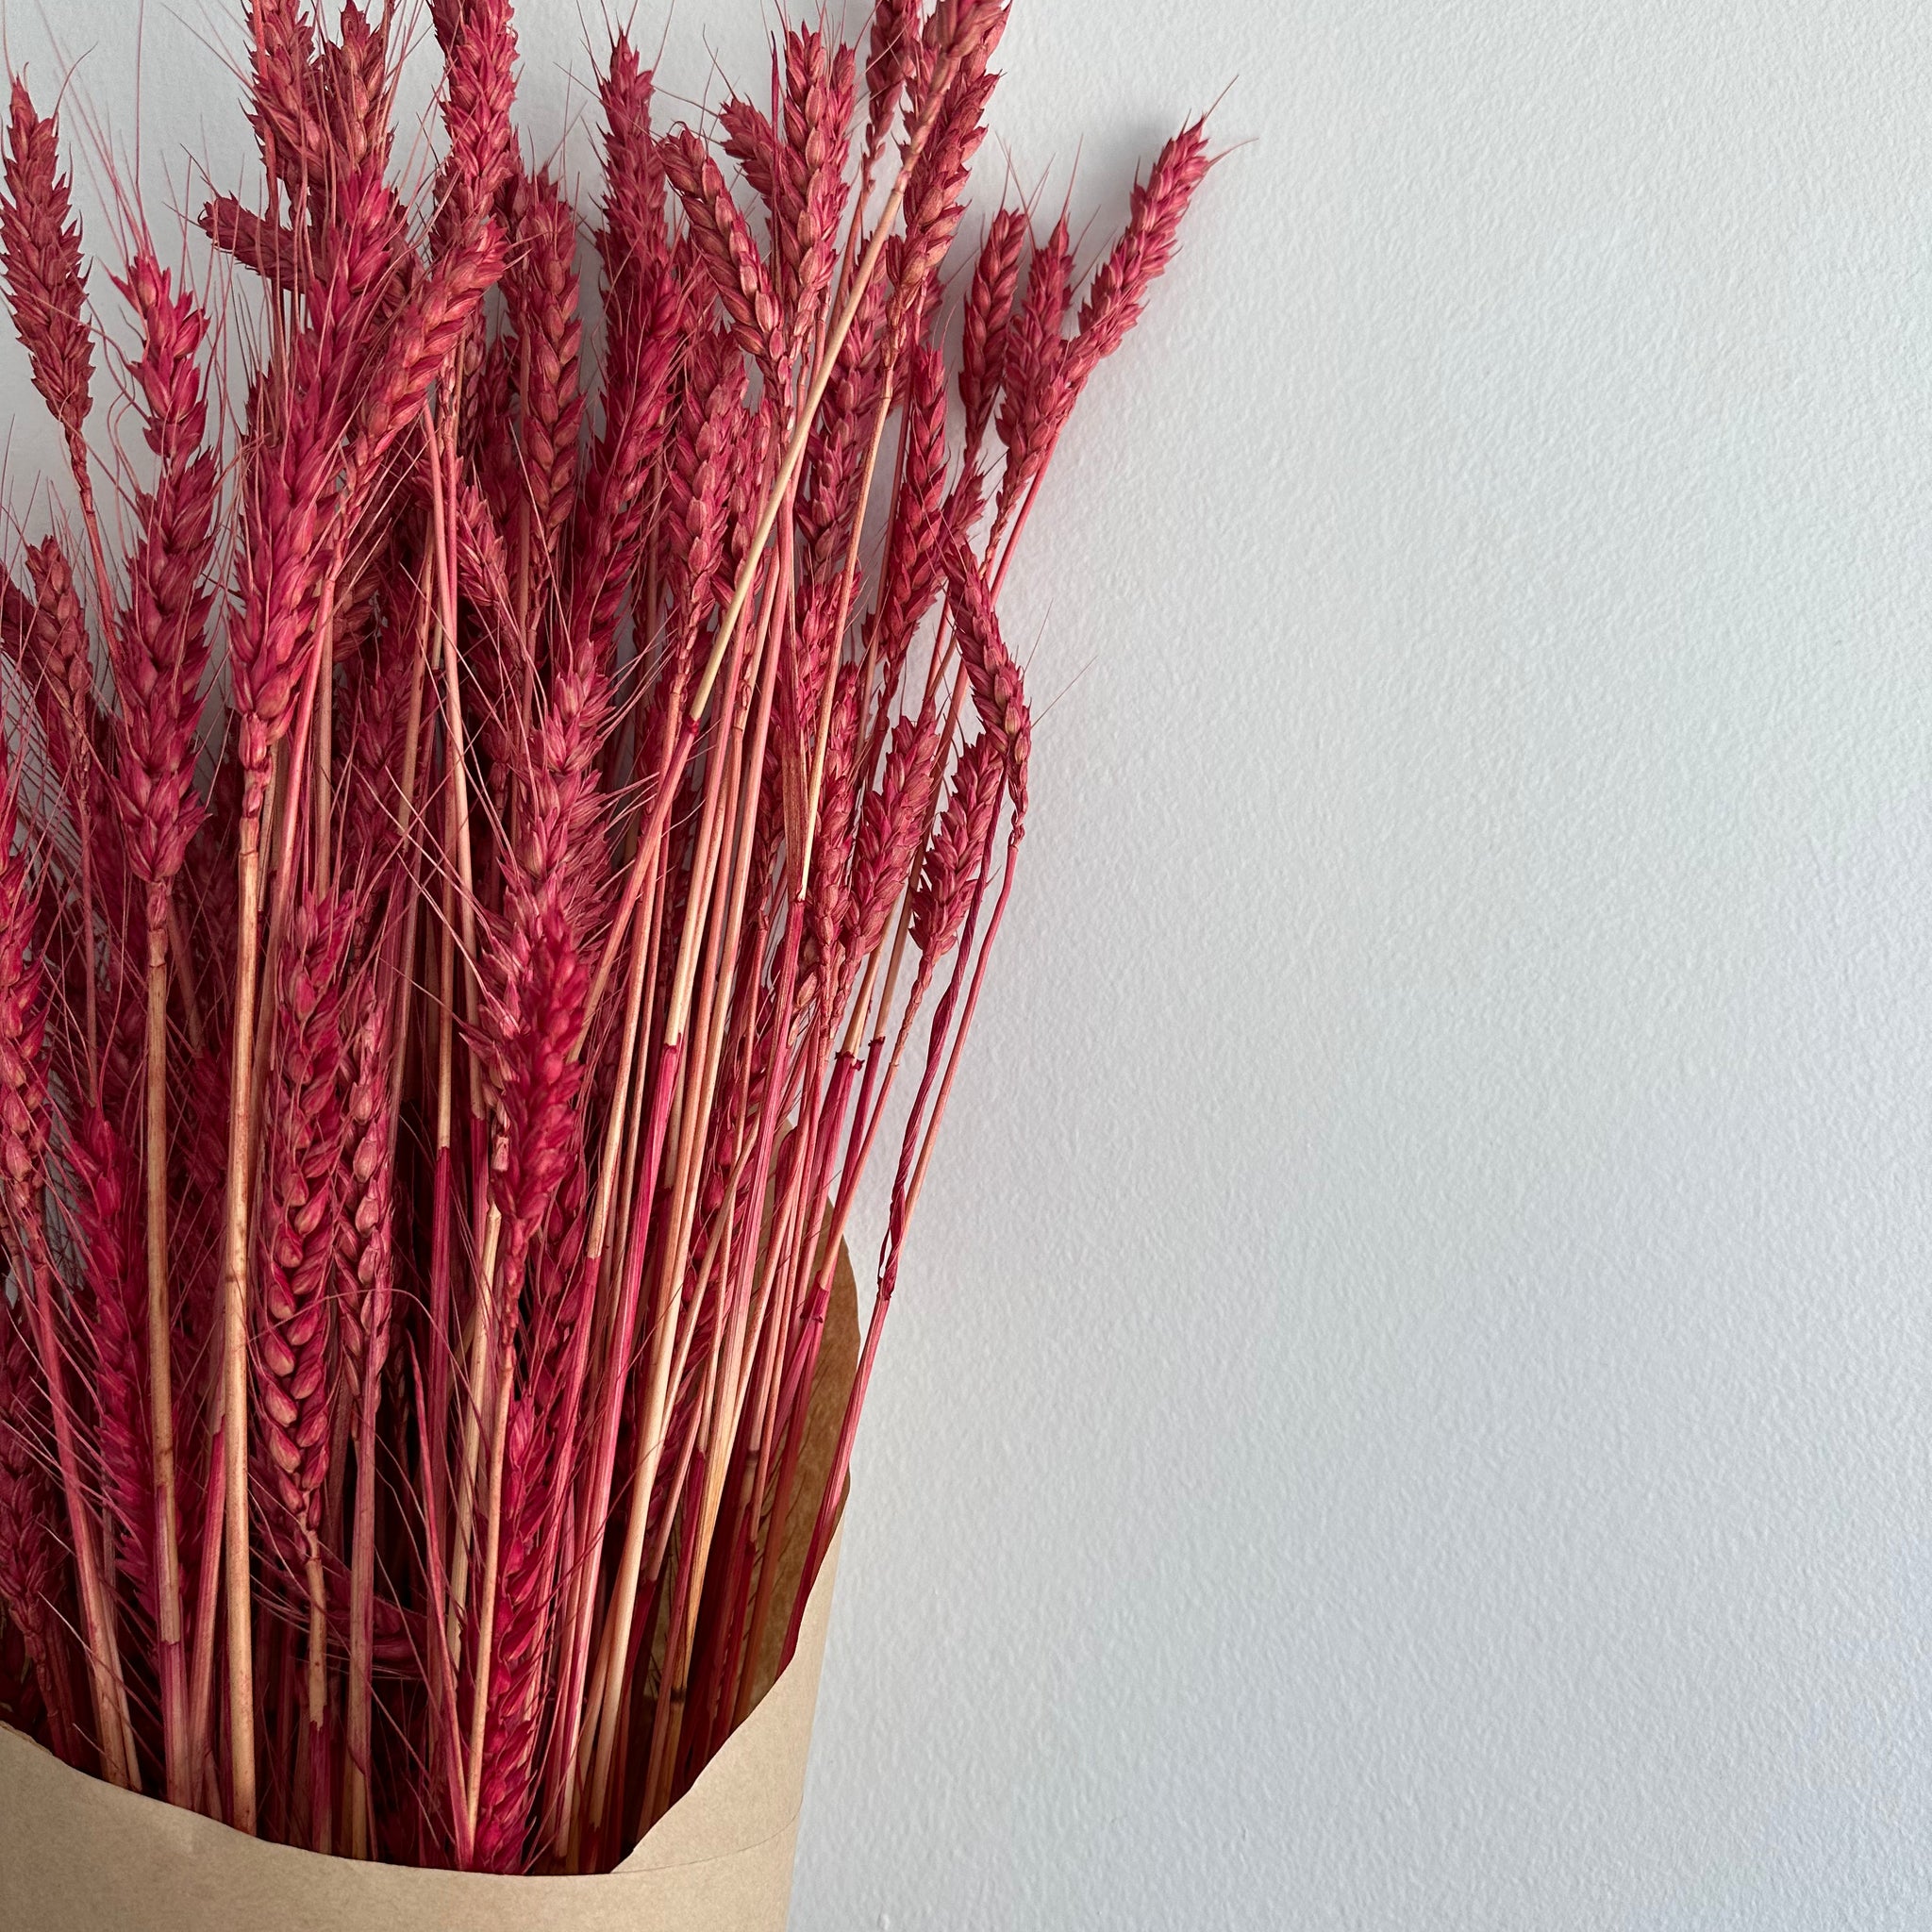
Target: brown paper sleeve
79,1856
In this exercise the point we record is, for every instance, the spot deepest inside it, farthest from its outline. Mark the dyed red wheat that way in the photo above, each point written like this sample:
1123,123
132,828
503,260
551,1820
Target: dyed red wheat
438,1061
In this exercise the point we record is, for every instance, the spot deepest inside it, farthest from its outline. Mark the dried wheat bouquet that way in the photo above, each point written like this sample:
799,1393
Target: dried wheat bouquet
492,816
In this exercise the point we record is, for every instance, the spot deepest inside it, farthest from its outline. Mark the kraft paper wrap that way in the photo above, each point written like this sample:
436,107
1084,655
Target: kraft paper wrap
79,1855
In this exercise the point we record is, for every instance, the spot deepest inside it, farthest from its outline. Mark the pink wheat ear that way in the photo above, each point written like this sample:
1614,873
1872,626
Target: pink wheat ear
285,475
890,830
56,660
999,692
989,319
769,171
910,578
818,117
541,302
844,451
55,657
295,1338
935,200
633,235
267,248
40,248
545,1006
161,641
477,95
952,871
298,1227
418,342
355,79
1037,393
357,265
891,42
729,255
612,504
1120,285
699,491
281,53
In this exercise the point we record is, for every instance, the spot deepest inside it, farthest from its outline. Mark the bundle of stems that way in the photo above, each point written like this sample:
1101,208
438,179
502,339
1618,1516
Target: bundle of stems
479,848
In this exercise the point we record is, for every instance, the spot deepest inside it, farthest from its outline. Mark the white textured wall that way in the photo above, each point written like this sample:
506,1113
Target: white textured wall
1409,1402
